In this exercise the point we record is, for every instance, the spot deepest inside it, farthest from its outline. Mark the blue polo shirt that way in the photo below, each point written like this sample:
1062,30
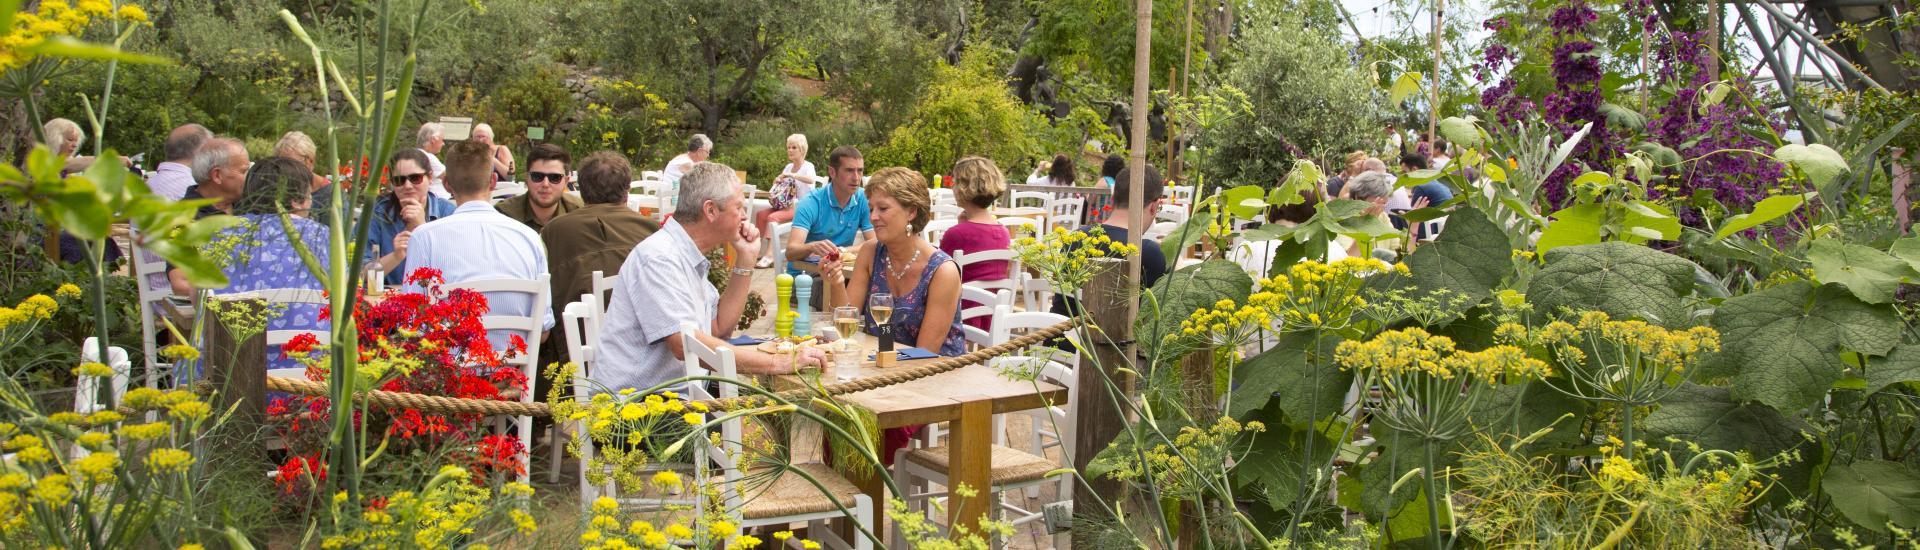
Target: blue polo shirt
825,220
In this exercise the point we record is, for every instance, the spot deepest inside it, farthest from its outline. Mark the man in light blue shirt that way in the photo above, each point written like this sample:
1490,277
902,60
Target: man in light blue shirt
172,178
831,217
663,287
478,243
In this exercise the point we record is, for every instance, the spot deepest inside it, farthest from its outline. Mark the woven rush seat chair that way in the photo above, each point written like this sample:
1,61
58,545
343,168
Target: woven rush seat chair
745,494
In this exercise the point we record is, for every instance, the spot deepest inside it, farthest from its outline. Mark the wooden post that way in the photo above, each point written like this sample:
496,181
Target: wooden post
1098,417
236,368
1196,373
1433,101
970,448
1713,39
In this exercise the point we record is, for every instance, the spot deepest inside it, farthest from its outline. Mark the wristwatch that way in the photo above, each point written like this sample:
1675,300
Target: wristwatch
742,271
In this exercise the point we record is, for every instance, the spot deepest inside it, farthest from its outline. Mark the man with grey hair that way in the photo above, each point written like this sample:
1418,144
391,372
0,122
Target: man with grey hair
1376,189
663,284
698,149
220,167
432,138
220,173
172,178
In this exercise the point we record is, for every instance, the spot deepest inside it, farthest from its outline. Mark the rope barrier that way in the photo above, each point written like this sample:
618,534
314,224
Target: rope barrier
452,405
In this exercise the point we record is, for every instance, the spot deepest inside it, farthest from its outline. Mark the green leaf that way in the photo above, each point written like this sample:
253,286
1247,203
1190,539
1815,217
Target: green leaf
1875,493
1469,259
1622,117
1277,457
1285,377
1768,209
1659,222
73,48
1461,131
1900,366
1819,162
1716,93
1782,345
1709,416
1539,407
1232,199
1565,149
1197,286
1623,280
1188,233
1908,250
1572,226
1870,274
81,213
7,9
1407,85
1399,453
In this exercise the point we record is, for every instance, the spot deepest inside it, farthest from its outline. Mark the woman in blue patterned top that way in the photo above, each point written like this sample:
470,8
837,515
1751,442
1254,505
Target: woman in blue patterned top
924,282
263,256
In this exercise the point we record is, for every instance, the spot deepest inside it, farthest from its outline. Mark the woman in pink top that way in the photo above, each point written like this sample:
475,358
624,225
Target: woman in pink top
977,182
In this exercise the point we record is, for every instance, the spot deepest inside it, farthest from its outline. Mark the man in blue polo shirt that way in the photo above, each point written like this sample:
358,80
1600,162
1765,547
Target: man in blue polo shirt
829,218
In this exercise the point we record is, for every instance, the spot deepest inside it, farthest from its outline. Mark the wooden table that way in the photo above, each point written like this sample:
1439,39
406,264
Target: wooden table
967,398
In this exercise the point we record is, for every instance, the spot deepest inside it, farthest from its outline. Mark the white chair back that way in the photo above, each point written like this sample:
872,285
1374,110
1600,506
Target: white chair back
779,236
941,197
277,338
1159,230
962,259
654,194
1067,212
946,211
150,274
706,361
86,389
1181,194
937,228
1033,199
603,286
529,326
1036,294
1171,212
977,302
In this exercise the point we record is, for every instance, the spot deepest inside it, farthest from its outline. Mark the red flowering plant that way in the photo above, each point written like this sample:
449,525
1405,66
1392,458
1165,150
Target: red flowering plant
431,343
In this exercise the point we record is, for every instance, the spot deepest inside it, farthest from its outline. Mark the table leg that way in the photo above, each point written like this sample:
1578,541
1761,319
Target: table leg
970,463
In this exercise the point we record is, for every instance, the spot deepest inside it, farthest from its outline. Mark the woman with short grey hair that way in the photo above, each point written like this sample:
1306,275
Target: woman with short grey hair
1374,188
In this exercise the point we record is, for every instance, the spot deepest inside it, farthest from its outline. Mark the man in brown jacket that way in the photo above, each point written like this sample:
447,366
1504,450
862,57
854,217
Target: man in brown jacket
596,237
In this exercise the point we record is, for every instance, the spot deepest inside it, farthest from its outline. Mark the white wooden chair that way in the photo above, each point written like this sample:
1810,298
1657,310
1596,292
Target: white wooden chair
86,389
529,327
603,286
1052,425
653,194
1036,294
985,301
916,470
1171,212
580,326
937,228
275,339
788,497
156,299
942,196
1067,212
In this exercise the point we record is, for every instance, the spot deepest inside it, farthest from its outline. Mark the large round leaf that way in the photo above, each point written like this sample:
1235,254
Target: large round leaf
1782,345
1875,493
1870,274
1712,418
1621,279
1197,286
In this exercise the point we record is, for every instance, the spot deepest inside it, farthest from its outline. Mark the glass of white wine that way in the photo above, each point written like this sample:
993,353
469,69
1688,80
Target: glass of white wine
881,306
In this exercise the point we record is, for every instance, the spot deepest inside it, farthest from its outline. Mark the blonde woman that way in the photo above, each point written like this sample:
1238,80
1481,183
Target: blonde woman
794,182
977,183
923,280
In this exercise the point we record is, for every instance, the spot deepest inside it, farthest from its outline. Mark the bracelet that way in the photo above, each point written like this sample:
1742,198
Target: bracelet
742,271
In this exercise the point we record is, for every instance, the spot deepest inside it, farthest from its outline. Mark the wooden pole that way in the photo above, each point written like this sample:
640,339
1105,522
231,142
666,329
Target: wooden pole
1196,374
237,368
1713,40
1098,417
1433,101
1173,166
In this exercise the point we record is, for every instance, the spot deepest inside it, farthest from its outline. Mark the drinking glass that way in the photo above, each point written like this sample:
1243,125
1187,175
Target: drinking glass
847,356
881,306
846,319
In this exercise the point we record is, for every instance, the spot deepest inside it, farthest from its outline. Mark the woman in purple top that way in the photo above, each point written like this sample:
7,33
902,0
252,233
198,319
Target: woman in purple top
977,182
898,261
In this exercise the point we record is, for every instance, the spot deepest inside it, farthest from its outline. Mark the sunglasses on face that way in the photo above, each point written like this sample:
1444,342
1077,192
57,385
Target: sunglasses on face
539,177
410,179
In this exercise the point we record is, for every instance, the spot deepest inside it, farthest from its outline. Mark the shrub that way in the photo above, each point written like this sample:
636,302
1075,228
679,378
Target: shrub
1308,100
969,111
630,118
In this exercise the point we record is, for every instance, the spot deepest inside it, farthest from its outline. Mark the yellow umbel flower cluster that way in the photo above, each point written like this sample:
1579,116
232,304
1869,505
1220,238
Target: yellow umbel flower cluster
1415,351
57,18
1069,259
1322,296
1182,468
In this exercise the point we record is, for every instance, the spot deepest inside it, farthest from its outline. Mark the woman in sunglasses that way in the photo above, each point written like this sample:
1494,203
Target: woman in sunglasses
403,206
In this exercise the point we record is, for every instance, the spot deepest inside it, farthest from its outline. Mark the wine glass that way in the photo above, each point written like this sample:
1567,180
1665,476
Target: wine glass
880,305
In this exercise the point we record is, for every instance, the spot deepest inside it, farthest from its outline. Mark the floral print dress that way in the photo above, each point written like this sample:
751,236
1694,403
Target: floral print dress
911,307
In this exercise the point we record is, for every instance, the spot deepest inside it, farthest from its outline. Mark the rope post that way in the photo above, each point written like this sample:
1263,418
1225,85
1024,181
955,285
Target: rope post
1098,417
237,369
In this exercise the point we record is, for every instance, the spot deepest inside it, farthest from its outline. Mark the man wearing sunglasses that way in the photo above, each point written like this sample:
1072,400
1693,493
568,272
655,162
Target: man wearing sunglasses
546,197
